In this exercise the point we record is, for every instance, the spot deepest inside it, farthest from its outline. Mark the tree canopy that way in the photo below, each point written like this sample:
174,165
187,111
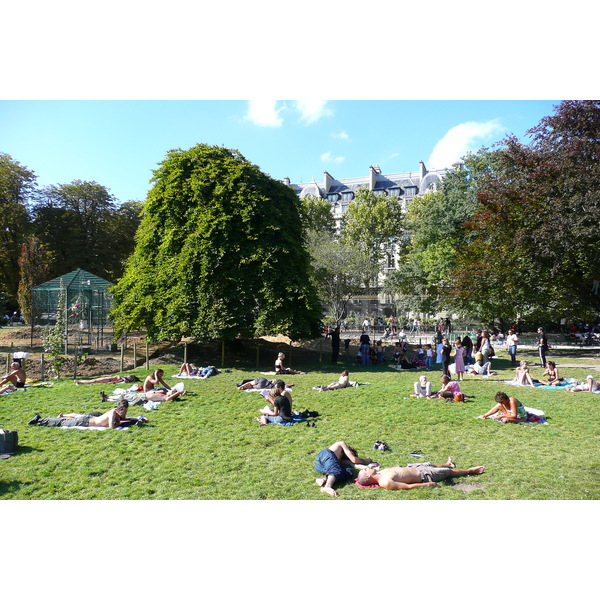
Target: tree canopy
219,253
535,234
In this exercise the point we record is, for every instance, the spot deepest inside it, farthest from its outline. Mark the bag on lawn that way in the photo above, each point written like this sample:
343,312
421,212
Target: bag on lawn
9,441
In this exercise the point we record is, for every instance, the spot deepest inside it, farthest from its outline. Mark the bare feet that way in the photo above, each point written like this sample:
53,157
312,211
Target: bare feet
330,491
321,481
476,470
449,463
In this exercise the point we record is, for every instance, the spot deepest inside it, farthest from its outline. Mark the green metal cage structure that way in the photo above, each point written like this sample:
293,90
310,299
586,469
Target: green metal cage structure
87,306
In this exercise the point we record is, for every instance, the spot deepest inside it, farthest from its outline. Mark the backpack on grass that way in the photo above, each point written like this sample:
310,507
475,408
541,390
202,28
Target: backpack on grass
9,441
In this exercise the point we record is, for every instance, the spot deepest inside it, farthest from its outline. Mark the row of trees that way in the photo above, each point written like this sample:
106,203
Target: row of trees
515,232
223,250
45,232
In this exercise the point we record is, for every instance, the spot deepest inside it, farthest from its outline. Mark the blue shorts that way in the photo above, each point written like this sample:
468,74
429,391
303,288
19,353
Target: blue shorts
278,420
327,463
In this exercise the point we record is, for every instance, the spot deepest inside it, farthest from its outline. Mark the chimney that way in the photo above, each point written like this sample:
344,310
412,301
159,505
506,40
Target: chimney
423,169
374,171
327,179
286,181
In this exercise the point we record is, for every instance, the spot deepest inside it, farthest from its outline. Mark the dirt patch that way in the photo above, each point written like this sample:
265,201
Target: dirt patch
467,487
237,353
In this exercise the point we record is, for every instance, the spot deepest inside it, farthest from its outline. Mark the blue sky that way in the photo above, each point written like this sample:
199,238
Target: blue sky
119,143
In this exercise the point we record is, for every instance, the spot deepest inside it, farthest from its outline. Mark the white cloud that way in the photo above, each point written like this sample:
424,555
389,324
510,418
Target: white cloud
313,110
342,135
328,157
265,113
464,138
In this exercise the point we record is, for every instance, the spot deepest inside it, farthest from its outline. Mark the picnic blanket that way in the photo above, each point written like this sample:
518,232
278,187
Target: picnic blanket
551,387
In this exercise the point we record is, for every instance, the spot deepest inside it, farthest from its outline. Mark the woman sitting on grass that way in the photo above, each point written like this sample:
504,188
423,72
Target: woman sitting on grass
551,373
154,379
590,385
281,370
449,388
507,410
522,375
342,382
422,388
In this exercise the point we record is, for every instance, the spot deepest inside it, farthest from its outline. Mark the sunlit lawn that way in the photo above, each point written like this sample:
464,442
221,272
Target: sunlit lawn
208,446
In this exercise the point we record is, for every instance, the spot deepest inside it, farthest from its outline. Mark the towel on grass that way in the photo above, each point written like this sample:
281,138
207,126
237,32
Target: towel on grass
372,485
92,428
551,387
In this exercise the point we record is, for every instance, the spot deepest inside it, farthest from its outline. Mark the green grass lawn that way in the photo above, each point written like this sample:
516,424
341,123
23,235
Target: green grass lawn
209,446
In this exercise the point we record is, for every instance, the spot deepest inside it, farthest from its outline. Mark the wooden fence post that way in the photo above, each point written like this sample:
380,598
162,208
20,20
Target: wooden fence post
147,357
122,358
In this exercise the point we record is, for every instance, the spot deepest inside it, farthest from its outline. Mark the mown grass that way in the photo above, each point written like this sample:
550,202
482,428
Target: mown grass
208,446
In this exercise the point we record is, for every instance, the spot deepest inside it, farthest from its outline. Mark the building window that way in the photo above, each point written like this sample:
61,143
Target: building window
432,187
347,196
411,191
394,192
380,192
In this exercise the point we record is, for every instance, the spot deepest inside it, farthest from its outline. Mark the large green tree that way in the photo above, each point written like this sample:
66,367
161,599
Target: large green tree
17,191
535,233
219,254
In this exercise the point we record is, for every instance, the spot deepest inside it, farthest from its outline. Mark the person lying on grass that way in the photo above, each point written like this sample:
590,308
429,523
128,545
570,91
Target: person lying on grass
260,383
16,378
282,406
189,370
109,379
112,418
480,368
152,395
336,463
342,382
590,385
414,475
552,375
522,375
155,379
507,410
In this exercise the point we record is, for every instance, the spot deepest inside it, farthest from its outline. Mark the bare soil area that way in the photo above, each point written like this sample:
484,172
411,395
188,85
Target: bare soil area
238,353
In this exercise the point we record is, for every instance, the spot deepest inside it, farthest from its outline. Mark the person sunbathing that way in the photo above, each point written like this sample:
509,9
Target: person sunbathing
522,375
111,419
414,475
155,379
507,410
159,395
189,370
590,385
336,463
280,369
552,375
14,379
260,383
422,388
481,368
342,382
109,379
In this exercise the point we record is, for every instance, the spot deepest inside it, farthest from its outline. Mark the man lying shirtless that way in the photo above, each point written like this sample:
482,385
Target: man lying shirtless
111,419
109,379
414,475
